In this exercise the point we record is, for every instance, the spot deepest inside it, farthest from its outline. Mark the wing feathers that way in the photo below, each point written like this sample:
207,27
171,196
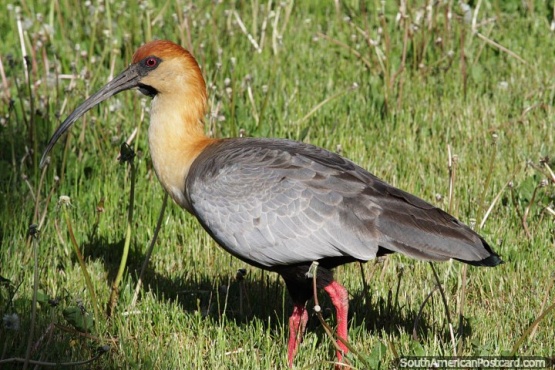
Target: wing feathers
277,202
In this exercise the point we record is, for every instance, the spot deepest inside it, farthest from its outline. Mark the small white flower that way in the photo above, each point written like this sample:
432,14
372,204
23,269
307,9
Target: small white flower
64,200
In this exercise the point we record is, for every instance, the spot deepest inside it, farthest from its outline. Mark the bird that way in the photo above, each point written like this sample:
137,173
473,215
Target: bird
278,204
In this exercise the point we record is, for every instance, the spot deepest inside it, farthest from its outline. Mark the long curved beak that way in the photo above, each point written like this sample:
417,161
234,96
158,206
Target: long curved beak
126,80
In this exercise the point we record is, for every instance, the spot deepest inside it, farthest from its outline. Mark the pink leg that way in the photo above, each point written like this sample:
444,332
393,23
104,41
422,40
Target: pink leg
340,299
297,324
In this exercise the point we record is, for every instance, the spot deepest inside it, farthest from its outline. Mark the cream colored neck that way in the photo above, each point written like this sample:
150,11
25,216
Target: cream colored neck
176,138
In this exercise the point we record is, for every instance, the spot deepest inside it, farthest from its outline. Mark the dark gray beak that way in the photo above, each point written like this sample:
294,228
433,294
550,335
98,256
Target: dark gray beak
126,80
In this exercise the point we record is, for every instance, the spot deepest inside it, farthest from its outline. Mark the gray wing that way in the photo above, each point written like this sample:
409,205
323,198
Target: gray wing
277,202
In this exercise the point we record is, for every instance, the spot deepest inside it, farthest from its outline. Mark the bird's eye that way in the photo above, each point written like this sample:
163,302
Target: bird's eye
151,62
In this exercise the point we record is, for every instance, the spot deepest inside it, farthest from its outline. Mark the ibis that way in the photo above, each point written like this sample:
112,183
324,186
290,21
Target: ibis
278,204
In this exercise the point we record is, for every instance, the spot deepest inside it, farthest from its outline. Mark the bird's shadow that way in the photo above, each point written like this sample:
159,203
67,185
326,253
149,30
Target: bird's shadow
259,295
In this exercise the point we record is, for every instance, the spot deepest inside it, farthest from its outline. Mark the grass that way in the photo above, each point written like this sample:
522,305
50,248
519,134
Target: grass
429,80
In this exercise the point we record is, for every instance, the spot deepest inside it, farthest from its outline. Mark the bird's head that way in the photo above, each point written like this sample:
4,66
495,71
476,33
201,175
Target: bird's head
159,69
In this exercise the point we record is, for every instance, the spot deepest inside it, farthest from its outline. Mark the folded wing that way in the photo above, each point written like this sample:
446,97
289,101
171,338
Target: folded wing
276,202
